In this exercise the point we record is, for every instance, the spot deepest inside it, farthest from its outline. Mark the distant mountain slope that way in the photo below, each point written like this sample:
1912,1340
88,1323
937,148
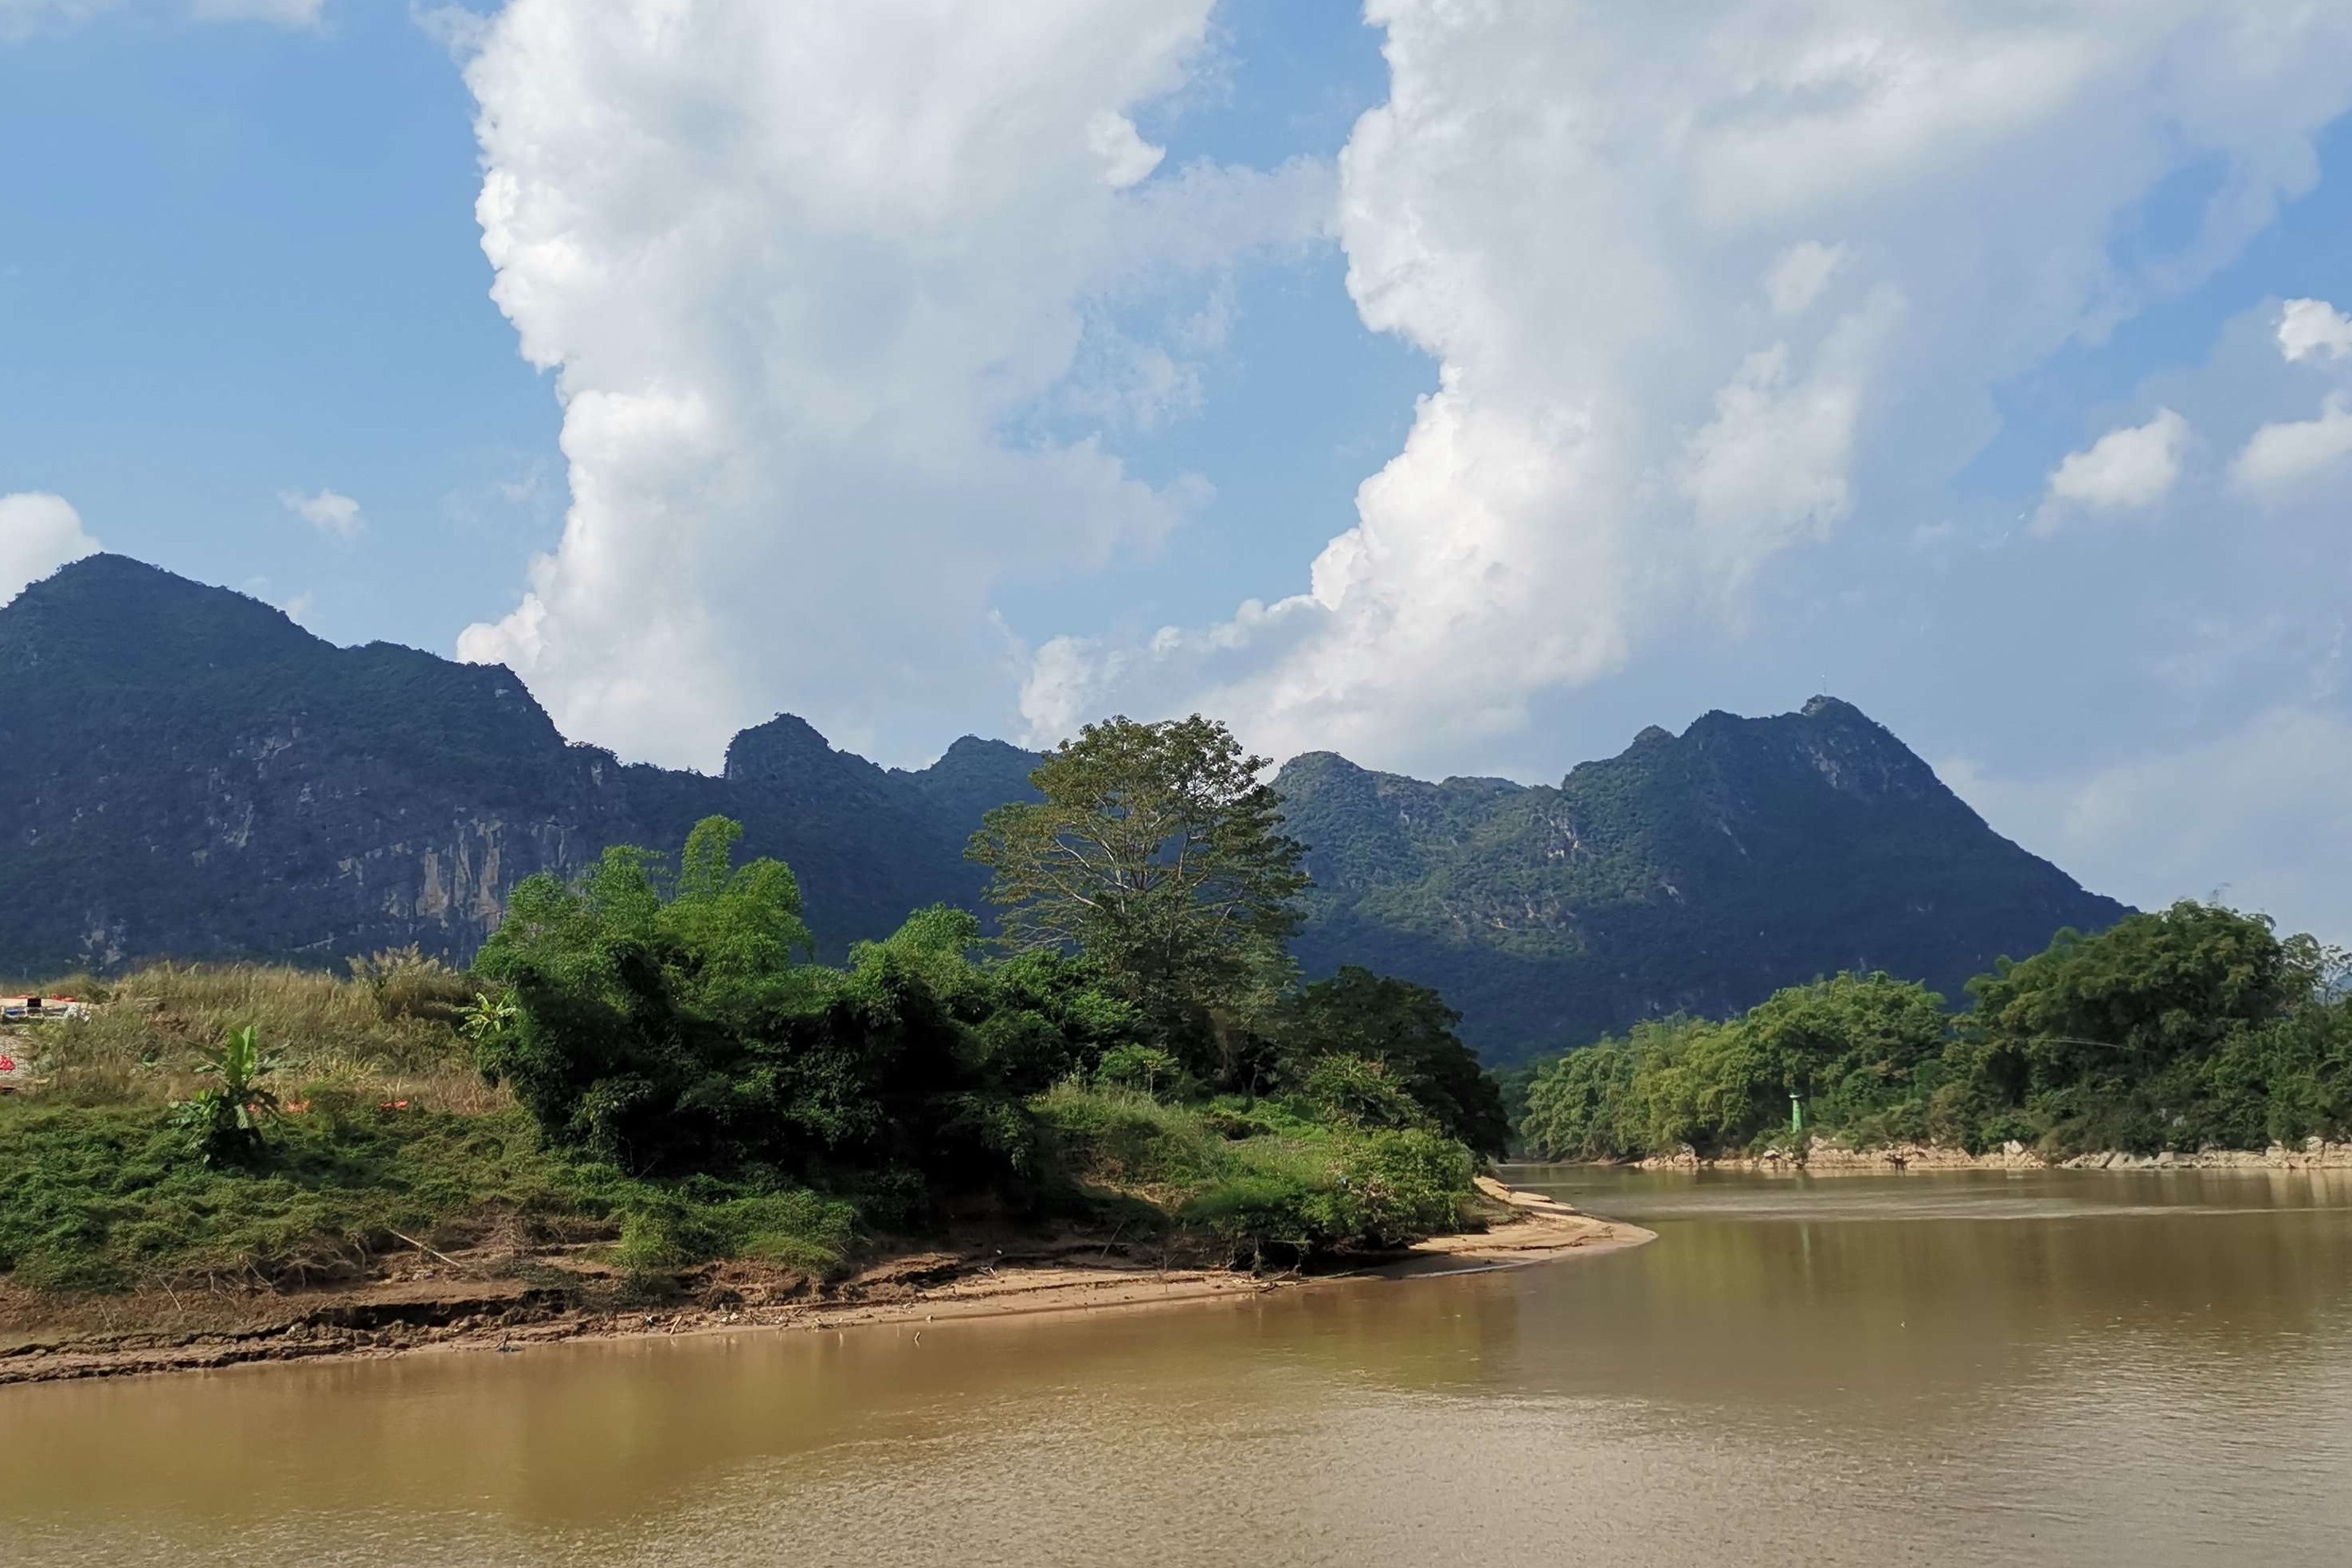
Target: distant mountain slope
184,772
1697,872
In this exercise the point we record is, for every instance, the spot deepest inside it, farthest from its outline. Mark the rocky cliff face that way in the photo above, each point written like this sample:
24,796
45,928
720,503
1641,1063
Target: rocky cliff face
184,772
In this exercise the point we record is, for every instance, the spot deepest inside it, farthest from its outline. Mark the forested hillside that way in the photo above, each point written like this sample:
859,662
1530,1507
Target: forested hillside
186,773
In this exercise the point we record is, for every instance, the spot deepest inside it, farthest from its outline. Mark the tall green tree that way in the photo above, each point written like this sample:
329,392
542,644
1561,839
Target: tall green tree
1159,854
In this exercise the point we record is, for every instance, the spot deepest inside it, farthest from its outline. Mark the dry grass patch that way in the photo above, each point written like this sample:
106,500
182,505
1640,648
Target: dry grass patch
387,1031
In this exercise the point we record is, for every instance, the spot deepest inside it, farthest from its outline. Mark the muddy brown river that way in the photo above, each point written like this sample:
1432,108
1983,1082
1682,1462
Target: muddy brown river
2063,1368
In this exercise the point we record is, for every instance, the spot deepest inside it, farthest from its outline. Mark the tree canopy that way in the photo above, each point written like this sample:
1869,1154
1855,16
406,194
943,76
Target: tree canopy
1156,851
2189,1026
2165,1029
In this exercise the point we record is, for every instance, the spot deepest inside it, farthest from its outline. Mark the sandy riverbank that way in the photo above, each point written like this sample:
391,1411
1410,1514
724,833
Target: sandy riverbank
460,1304
1824,1158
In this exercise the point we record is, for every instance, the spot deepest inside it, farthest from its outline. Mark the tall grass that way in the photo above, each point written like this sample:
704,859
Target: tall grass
388,1030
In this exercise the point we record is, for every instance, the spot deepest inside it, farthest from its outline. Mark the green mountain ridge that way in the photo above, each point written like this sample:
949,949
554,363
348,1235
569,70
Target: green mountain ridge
1694,873
184,772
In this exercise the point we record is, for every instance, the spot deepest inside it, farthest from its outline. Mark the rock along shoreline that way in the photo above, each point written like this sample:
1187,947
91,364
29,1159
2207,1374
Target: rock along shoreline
1820,1156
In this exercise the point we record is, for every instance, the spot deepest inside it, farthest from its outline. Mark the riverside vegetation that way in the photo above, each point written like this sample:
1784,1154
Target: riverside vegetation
648,1062
2188,1028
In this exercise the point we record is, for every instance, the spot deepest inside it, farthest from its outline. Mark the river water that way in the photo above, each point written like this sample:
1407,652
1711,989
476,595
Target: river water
2065,1368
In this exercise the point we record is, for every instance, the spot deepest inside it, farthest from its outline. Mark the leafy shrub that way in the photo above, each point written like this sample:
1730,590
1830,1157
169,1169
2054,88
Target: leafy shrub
1289,1190
663,1237
1410,1184
1358,1091
1145,1070
1298,1201
1124,1139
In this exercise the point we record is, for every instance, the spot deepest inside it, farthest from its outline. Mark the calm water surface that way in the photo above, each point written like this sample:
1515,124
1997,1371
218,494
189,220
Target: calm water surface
2076,1368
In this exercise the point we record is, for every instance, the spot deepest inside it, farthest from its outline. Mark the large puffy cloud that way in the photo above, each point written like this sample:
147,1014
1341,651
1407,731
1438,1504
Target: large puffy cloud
39,533
1706,283
831,293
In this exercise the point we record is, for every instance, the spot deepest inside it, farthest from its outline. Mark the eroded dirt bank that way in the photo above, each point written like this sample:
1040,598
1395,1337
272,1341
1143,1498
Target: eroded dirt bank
476,1302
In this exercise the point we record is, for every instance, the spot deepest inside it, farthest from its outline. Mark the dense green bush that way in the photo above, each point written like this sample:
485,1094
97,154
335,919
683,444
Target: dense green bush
1290,1188
1126,1140
1358,1091
1297,1200
1408,1031
677,1033
1146,1069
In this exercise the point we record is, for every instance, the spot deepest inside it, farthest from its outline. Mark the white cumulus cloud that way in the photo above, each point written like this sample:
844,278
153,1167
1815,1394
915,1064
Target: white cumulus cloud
325,511
2123,470
823,286
2284,460
1126,156
1571,206
39,533
2291,460
2313,329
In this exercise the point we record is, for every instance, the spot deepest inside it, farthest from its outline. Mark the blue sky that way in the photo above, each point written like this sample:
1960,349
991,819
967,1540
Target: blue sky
927,369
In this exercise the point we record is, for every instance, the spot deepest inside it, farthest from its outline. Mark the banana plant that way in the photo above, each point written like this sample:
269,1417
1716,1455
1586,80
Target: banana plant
225,1121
